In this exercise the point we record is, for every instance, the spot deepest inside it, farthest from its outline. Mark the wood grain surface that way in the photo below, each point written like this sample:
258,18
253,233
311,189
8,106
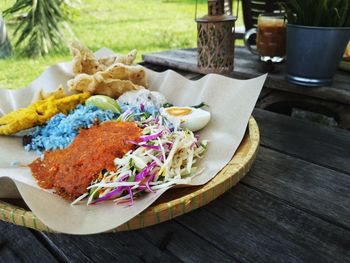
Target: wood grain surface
293,206
329,147
246,66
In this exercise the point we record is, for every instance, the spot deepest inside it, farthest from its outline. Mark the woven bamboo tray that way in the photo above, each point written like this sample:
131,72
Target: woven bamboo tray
173,203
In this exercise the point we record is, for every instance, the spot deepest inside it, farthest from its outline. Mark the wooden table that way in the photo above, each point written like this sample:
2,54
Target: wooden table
293,206
332,101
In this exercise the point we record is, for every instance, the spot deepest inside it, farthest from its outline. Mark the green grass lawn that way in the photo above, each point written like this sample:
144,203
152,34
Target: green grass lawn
121,25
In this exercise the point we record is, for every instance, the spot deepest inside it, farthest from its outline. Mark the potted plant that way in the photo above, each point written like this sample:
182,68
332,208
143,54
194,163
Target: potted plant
317,34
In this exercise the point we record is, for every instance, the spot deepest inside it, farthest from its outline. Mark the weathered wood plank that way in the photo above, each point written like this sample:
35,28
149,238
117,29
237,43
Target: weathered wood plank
284,103
310,187
337,93
183,243
178,59
159,68
112,247
256,227
166,242
154,67
17,244
246,66
325,146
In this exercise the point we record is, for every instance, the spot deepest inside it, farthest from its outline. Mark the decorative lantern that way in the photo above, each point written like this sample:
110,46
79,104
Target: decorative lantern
215,39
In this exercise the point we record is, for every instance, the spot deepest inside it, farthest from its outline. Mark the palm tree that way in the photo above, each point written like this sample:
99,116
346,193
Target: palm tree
5,46
40,26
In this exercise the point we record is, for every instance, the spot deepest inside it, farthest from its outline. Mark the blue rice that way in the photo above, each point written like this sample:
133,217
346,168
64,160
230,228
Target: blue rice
60,131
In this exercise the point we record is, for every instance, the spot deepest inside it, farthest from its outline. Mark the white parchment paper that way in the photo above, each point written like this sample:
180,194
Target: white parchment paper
230,101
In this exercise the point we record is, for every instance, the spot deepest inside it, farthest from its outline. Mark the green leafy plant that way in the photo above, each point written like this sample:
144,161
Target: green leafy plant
41,25
321,13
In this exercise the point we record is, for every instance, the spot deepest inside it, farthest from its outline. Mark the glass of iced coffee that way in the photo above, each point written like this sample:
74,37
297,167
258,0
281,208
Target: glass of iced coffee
270,37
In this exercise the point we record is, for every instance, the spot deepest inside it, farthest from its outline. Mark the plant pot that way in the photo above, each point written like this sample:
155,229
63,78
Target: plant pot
314,53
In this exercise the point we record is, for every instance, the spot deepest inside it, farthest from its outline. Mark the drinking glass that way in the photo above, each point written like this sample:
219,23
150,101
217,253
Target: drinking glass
270,37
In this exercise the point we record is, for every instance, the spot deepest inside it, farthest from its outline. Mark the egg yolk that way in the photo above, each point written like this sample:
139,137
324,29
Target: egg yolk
178,111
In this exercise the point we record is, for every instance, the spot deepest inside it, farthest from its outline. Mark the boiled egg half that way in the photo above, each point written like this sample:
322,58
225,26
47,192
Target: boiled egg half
189,118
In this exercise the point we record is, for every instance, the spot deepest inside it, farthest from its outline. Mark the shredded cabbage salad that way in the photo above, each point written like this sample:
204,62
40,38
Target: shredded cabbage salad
163,156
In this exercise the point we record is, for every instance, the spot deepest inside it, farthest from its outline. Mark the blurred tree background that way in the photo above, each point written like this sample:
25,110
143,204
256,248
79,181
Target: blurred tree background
39,25
121,25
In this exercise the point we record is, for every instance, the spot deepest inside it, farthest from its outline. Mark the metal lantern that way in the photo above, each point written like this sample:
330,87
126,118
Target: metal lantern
215,39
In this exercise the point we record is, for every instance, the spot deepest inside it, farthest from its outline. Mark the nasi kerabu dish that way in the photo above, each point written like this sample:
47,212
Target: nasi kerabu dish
112,139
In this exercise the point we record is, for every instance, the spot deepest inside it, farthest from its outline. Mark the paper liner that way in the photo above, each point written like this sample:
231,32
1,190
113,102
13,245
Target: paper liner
230,101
